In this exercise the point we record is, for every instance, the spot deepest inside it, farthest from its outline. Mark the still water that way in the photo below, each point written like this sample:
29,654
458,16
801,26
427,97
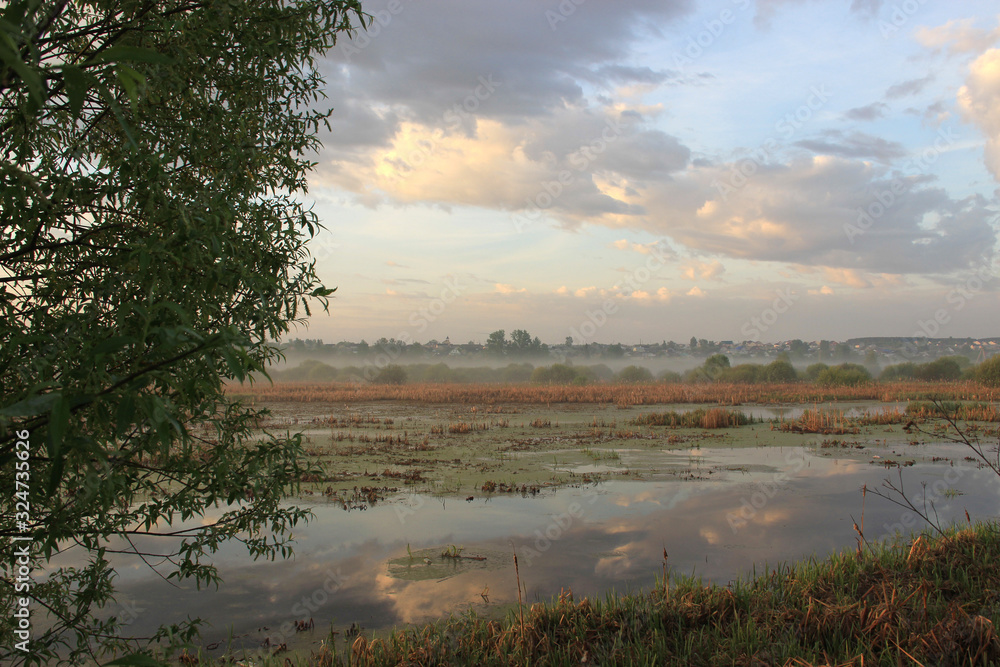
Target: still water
743,508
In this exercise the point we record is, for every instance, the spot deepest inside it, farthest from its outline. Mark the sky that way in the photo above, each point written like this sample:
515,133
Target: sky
655,170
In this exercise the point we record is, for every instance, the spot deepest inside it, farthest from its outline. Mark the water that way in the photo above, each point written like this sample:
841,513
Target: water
745,507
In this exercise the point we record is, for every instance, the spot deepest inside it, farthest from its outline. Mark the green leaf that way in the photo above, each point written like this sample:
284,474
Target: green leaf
11,58
58,425
130,80
30,407
113,344
233,363
76,88
125,413
136,54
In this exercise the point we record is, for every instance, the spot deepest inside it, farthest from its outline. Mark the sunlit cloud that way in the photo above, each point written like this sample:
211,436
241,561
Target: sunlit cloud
979,100
959,36
502,288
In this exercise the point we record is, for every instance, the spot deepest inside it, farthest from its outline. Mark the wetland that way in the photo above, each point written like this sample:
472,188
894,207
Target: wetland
420,507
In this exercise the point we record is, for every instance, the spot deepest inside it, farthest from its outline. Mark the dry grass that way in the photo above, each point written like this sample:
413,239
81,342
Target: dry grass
930,603
613,394
701,418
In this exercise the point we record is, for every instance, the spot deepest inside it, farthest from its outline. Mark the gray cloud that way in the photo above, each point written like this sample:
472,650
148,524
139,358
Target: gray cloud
810,212
429,56
870,7
549,137
869,112
854,145
910,87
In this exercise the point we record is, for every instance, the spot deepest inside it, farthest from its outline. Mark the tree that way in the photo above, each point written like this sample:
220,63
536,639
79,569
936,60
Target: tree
520,340
798,348
153,242
635,375
780,370
844,375
615,351
497,343
988,372
391,374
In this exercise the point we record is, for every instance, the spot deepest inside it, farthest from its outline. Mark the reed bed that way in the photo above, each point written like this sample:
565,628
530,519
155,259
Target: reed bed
613,394
932,602
978,411
701,418
826,422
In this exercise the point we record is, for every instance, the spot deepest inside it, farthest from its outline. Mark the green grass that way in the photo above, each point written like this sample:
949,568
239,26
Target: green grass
934,601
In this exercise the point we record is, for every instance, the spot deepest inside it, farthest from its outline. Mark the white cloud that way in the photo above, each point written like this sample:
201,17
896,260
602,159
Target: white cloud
959,36
979,100
703,270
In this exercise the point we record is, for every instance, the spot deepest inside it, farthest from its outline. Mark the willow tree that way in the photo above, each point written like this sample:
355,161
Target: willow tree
153,242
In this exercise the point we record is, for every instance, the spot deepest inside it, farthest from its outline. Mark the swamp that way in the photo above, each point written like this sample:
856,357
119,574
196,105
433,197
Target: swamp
425,496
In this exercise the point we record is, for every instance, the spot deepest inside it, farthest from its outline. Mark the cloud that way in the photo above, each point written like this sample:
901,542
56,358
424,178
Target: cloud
767,9
653,247
869,112
800,211
959,36
854,145
577,163
662,294
848,277
703,270
696,292
979,101
486,106
503,288
870,7
418,63
907,88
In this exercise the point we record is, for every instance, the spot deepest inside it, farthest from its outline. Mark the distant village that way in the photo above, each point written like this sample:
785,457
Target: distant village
521,345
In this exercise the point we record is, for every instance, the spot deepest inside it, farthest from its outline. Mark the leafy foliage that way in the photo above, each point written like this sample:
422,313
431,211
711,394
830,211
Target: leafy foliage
988,372
391,374
844,375
152,243
634,374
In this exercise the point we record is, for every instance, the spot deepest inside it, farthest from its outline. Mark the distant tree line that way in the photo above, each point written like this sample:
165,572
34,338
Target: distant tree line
716,368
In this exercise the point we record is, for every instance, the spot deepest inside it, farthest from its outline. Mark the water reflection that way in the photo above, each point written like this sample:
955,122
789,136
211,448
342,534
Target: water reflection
761,505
